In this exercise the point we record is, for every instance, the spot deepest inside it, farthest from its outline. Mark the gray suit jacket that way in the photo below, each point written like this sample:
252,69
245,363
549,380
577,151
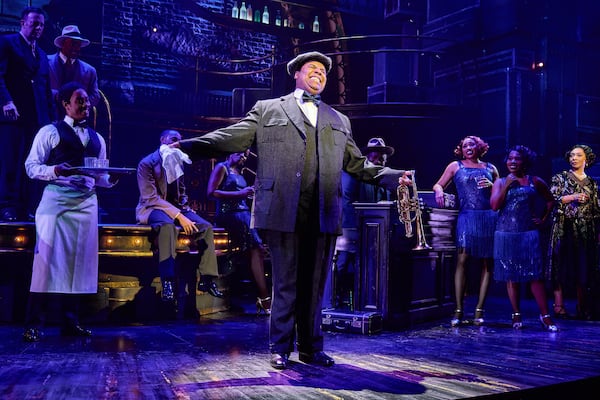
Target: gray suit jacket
83,72
276,128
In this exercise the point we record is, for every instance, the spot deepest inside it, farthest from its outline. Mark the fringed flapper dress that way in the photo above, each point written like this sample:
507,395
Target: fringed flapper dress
517,249
476,220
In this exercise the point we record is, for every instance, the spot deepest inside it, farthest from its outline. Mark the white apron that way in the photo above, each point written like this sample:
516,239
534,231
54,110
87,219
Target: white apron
66,250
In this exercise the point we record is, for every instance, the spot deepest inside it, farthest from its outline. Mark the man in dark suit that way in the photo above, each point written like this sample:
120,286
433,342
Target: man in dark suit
163,204
347,245
26,102
302,146
65,66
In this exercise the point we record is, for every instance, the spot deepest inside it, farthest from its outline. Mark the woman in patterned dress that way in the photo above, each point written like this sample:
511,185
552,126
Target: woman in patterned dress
518,253
573,258
476,221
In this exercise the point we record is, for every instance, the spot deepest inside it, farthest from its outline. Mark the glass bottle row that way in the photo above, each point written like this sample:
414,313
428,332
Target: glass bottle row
246,12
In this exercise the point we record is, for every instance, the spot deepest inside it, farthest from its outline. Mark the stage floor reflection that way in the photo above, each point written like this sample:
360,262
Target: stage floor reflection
224,355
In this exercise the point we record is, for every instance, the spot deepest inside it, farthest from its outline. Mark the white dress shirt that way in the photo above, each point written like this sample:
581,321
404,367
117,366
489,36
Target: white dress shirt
308,107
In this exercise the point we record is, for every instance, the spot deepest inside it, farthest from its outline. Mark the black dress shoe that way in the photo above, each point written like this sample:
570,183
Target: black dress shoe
32,335
75,330
318,358
279,361
211,288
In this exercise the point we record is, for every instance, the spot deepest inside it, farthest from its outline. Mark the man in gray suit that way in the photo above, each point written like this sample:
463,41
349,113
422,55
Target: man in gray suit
303,145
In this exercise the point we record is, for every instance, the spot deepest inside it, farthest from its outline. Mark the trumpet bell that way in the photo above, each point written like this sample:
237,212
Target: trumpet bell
409,211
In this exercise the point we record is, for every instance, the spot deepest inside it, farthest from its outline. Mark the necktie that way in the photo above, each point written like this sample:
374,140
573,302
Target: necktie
83,124
33,50
315,98
67,71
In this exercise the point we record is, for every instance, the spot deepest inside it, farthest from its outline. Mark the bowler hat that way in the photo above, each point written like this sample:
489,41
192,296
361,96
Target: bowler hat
303,58
70,32
377,144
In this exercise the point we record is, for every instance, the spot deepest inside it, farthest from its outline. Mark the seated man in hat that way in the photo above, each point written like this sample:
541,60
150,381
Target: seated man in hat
65,66
346,247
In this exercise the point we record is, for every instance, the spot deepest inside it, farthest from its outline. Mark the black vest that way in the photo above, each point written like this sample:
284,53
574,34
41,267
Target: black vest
70,149
308,207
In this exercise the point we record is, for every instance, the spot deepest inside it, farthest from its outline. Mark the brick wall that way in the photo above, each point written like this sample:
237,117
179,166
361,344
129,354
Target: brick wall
168,47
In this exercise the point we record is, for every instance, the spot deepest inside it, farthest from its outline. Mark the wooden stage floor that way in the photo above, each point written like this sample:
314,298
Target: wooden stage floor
224,356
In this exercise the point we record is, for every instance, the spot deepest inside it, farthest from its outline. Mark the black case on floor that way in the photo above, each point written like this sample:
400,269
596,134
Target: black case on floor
363,322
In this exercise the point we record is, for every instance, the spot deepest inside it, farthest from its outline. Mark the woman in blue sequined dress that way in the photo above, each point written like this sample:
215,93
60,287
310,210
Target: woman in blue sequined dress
229,187
476,221
518,254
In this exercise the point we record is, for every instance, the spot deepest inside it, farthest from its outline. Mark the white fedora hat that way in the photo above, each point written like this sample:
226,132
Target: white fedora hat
70,32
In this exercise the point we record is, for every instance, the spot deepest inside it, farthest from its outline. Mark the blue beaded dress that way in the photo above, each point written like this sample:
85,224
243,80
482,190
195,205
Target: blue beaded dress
517,249
234,214
476,220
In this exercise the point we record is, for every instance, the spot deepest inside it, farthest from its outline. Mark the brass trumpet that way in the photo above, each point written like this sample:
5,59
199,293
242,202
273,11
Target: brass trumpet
409,211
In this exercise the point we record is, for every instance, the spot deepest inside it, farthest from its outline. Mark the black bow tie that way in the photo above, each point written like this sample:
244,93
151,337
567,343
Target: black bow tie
315,98
82,123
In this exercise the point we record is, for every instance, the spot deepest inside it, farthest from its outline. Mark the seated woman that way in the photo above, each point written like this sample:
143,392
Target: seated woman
231,191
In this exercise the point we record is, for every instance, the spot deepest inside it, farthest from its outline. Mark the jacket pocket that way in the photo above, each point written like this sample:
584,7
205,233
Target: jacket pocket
264,195
274,130
340,134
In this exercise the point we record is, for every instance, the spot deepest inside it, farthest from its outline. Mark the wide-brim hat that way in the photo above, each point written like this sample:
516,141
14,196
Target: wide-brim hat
303,58
378,144
70,32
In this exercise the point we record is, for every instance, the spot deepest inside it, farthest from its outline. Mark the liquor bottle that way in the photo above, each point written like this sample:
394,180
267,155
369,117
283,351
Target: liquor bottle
315,26
278,18
243,11
235,11
249,12
257,16
265,16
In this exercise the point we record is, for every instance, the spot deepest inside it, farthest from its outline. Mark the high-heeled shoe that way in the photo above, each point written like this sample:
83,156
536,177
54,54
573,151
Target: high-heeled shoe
560,312
517,322
547,323
583,314
263,305
32,335
457,318
478,320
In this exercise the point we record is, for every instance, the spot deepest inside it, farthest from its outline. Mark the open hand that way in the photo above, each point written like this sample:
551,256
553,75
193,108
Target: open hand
188,226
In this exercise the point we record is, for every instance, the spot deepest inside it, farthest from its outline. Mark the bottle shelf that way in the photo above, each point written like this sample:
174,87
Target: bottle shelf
271,28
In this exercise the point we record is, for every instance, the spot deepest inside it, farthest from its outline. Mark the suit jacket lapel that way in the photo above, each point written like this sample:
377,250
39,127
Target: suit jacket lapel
294,113
33,62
